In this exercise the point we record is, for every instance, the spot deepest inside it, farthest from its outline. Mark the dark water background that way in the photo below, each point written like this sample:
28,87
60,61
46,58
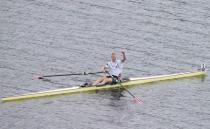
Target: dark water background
69,36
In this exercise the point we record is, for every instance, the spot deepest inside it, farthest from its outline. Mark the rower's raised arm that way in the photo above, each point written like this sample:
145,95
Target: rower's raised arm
123,56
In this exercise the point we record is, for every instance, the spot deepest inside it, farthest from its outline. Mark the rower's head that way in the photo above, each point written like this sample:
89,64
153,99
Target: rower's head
113,57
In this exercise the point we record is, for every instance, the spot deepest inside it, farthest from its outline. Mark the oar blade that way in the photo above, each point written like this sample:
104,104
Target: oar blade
138,101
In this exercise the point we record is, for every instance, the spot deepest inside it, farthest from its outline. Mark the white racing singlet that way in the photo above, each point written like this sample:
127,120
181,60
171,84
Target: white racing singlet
115,68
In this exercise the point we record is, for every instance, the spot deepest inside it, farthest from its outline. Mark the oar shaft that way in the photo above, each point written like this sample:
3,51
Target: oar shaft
129,93
136,98
62,75
56,75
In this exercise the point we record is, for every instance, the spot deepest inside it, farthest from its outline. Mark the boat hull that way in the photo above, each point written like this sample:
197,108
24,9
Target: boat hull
129,83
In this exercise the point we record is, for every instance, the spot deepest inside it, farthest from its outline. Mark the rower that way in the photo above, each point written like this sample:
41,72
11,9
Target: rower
114,68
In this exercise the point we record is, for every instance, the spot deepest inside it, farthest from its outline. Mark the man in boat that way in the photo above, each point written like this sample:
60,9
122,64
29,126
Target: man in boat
114,70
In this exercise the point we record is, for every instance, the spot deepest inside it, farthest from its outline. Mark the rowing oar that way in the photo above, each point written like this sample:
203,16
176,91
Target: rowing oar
56,75
136,99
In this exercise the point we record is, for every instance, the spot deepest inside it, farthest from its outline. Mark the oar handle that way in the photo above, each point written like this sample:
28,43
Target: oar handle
92,73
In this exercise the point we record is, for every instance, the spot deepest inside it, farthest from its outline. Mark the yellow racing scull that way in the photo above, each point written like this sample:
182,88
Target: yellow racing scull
128,83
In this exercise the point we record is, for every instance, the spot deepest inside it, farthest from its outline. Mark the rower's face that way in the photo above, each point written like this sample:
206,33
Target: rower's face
113,57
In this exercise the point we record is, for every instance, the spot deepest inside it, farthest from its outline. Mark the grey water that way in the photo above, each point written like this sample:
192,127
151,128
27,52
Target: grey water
41,37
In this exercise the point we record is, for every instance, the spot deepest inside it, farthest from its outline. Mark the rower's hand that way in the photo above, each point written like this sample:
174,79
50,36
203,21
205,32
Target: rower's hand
123,56
104,69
